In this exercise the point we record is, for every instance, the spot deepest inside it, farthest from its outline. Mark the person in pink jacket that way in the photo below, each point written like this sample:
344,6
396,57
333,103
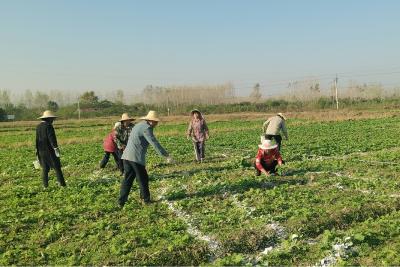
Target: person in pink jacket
110,147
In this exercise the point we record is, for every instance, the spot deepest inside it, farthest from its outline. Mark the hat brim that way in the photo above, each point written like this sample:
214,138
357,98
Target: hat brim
271,147
282,116
47,117
130,119
195,111
149,119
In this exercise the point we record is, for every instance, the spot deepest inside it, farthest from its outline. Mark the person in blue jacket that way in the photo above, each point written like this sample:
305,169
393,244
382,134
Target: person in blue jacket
134,157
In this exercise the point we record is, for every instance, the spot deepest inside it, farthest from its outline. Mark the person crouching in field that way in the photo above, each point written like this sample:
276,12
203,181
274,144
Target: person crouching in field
198,132
268,157
110,147
272,128
47,150
134,157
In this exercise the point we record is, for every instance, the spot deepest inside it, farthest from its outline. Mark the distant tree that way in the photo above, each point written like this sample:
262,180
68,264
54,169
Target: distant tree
89,98
27,99
119,97
52,105
40,99
315,88
105,104
255,95
3,114
4,98
57,96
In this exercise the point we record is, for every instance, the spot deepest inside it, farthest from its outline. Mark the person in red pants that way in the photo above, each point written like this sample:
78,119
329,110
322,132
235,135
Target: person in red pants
267,159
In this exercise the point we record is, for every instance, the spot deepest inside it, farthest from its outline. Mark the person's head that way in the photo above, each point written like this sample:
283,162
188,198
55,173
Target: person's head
151,118
281,115
49,120
126,120
152,123
48,116
196,114
267,146
126,123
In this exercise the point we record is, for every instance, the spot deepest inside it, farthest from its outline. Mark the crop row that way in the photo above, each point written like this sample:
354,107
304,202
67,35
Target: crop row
340,181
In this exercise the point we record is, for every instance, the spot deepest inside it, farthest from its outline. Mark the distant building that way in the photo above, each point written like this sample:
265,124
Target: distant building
10,117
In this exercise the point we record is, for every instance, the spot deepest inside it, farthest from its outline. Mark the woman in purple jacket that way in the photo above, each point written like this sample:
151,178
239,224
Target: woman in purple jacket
198,133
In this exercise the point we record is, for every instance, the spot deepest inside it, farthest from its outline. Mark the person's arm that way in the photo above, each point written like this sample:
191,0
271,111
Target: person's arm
117,139
148,134
51,135
278,157
206,130
37,145
265,125
284,130
258,162
189,130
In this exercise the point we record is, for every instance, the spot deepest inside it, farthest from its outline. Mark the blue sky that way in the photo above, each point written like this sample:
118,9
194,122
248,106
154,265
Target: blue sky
79,45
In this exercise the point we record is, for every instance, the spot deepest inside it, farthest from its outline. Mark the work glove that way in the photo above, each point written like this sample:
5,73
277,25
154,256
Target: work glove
57,152
36,164
170,159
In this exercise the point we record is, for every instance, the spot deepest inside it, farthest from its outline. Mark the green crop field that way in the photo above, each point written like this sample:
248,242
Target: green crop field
336,202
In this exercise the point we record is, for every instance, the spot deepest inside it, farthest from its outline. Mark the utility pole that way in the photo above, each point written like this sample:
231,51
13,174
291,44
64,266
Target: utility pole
336,92
79,111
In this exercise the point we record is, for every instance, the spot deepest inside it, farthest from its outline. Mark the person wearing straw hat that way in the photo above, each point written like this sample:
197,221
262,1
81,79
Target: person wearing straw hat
198,133
268,157
122,130
272,128
47,150
110,147
134,157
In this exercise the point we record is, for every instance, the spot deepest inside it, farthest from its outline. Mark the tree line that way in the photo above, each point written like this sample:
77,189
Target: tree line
180,99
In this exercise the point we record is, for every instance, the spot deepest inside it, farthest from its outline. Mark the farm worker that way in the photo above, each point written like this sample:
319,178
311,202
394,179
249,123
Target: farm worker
122,132
198,133
272,128
47,150
134,157
110,147
268,157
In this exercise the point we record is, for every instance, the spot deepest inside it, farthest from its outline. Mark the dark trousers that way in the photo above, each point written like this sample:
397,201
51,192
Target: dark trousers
199,149
277,138
45,175
119,154
271,168
132,170
117,160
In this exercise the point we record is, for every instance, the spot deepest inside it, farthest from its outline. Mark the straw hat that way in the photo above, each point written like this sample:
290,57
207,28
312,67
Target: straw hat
195,111
151,116
267,144
125,117
47,114
281,115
